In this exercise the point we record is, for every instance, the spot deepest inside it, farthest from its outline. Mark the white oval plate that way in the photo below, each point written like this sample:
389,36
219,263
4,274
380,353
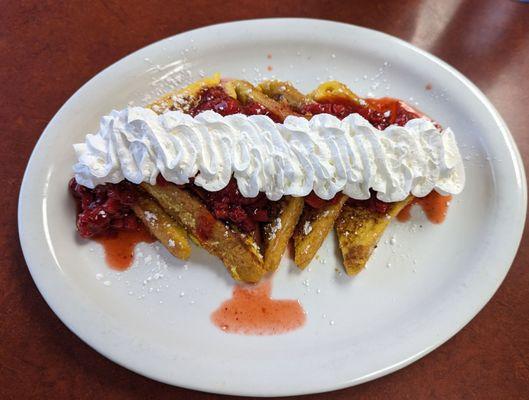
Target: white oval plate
415,293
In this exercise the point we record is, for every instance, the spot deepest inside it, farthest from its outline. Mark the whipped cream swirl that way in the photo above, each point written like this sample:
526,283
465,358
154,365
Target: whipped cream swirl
323,154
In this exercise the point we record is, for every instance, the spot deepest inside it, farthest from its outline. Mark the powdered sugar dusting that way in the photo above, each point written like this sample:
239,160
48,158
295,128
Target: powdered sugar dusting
275,228
307,228
150,217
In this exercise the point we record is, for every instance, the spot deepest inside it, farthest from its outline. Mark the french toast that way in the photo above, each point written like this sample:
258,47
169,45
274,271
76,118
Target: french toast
278,232
313,227
159,223
162,226
264,190
315,222
247,257
358,227
238,252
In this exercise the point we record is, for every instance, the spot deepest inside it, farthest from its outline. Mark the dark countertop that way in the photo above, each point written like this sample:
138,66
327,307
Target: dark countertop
51,48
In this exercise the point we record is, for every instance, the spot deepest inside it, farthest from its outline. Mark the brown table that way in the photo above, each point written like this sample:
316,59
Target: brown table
50,49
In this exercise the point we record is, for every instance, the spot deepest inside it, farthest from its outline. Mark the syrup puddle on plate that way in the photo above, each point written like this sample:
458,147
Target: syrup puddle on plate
119,249
251,311
434,205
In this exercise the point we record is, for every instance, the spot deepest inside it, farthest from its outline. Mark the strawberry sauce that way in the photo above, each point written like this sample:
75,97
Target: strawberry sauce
251,311
119,248
434,205
228,204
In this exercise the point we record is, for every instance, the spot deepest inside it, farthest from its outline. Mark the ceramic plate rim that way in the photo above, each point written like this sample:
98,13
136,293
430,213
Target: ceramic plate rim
44,286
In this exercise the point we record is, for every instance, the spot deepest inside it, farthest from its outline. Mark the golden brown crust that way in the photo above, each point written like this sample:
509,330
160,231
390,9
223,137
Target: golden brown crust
359,229
313,227
333,90
290,209
184,98
283,92
247,92
169,232
368,225
162,226
278,232
239,253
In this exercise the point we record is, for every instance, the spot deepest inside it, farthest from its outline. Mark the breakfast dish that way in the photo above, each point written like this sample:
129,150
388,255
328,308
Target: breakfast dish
359,224
417,292
241,169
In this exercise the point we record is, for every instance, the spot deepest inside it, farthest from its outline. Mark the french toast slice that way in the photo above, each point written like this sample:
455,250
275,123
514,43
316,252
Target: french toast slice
238,252
162,226
242,255
359,229
245,92
283,92
183,99
277,233
315,223
333,90
313,227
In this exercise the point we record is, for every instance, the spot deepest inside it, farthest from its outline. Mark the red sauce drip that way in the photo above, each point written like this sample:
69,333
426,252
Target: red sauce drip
119,248
205,224
434,205
405,214
104,214
399,112
316,202
251,311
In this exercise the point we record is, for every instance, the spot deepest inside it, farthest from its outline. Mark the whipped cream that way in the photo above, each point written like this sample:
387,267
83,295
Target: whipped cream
323,154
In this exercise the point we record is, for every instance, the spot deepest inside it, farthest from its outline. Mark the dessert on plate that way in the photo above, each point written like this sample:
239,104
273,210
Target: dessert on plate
242,169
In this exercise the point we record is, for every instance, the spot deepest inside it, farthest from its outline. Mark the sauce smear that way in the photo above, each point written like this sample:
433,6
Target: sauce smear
434,205
251,311
119,249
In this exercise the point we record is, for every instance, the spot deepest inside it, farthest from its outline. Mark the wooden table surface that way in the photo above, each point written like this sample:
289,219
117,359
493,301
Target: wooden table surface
50,48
